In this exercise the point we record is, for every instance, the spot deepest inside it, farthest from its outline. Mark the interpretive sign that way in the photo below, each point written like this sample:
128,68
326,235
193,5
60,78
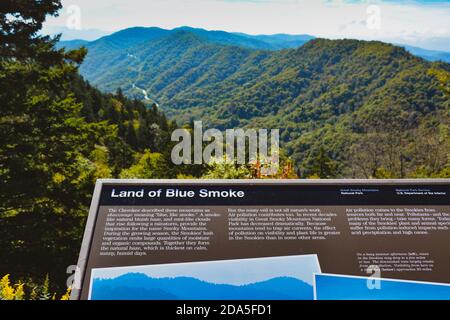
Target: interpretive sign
266,240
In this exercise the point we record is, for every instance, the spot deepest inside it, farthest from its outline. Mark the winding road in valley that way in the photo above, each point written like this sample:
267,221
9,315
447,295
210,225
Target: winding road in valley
143,91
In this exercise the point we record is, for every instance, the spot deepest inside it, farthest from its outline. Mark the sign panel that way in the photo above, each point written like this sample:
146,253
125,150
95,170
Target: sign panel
267,240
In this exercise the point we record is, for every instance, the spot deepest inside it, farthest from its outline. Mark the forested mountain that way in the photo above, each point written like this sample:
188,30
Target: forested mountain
132,36
72,44
281,41
327,97
118,47
128,37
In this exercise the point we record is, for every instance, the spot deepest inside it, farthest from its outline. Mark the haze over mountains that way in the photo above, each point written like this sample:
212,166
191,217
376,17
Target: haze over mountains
69,34
326,96
73,39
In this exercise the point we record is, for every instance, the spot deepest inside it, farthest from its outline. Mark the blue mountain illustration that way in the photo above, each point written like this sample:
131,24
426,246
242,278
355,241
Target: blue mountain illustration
138,286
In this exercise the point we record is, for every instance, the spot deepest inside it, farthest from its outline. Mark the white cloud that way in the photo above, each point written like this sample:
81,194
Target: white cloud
333,19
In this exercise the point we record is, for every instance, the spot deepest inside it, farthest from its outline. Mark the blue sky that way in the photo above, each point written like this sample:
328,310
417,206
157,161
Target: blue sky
235,272
421,23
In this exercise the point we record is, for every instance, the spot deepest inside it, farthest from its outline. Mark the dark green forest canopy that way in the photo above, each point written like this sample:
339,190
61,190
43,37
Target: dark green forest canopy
327,95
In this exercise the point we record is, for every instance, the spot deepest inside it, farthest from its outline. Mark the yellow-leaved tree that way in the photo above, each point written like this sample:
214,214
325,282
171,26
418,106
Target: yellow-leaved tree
17,291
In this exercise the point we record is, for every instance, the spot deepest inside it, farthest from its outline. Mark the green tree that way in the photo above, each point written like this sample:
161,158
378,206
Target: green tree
130,135
149,166
42,139
323,167
443,77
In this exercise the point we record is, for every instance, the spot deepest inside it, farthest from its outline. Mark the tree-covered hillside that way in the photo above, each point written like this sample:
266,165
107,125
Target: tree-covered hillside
327,97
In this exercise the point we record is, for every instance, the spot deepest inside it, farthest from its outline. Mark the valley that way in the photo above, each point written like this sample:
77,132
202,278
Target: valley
334,101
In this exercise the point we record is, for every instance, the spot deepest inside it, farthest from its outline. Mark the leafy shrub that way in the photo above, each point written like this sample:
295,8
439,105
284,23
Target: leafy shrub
28,291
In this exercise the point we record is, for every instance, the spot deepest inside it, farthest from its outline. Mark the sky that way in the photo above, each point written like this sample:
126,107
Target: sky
422,23
234,272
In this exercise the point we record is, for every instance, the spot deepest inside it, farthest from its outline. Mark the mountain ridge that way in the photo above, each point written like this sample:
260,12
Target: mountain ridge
139,286
323,89
265,42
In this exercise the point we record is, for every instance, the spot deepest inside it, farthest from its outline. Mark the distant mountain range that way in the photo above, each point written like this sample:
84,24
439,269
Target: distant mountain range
128,37
429,55
324,95
69,34
123,50
136,286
